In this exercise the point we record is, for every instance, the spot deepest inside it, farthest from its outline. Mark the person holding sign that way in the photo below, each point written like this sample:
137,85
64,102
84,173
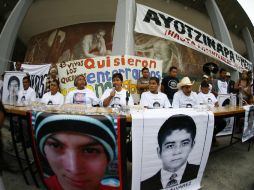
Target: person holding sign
28,94
185,97
117,96
54,97
176,139
153,98
76,150
81,95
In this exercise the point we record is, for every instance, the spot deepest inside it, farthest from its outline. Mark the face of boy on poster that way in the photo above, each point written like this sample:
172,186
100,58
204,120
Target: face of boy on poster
77,148
175,150
78,161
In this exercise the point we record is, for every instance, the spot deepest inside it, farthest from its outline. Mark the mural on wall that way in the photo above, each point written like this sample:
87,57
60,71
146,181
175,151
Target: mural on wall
78,41
188,61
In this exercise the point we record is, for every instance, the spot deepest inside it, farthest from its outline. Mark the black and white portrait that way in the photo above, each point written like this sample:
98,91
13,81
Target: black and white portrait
174,149
248,130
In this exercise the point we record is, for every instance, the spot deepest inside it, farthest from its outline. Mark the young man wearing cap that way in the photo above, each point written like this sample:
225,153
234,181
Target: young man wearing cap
81,95
77,149
205,78
169,83
153,98
176,139
220,85
185,97
231,83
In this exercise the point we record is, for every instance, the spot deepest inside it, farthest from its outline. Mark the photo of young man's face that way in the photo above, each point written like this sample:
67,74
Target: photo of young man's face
78,161
175,150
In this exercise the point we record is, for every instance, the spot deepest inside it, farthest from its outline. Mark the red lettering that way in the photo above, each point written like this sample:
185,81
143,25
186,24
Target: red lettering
89,63
131,61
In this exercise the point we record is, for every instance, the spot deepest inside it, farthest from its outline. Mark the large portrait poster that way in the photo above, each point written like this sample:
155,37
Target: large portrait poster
12,85
99,72
77,151
225,100
248,130
171,148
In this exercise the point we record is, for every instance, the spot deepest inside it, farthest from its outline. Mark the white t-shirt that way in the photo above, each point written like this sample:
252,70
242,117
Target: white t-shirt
208,98
180,100
222,87
85,96
57,99
118,100
150,100
26,96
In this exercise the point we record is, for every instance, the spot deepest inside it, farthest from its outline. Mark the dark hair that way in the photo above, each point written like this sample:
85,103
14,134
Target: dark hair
157,80
144,68
171,68
204,84
176,122
13,78
118,75
56,81
76,79
26,78
222,70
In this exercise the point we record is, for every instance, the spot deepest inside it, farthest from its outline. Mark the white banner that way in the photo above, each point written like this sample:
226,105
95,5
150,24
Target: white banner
248,130
224,100
38,75
170,144
99,72
12,85
153,22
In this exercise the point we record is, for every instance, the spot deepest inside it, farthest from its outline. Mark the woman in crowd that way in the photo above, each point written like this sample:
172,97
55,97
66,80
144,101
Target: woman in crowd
117,96
54,96
81,95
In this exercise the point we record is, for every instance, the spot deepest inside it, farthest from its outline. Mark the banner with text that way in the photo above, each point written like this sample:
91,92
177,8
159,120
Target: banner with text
153,22
38,75
99,72
170,148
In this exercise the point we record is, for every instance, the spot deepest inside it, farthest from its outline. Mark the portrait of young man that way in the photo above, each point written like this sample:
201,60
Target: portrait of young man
176,139
75,151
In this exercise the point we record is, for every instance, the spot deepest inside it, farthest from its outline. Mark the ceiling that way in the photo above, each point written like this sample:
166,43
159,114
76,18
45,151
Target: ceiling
66,12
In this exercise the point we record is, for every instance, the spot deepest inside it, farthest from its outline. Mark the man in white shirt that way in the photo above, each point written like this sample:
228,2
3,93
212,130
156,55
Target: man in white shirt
185,97
27,95
54,97
176,139
220,85
81,95
153,98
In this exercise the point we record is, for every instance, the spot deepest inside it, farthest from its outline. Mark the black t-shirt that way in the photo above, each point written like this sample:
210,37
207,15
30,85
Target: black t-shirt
170,86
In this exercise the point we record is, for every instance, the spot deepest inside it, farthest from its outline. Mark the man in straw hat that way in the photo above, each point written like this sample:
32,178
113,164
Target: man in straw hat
185,97
76,150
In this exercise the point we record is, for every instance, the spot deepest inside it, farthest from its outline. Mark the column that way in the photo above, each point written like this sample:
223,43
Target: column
10,31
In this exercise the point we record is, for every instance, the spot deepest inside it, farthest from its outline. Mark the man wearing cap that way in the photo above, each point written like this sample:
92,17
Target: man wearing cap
185,97
77,149
231,83
176,139
220,85
205,78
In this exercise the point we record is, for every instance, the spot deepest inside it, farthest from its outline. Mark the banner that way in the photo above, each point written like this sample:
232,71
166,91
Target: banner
38,75
80,157
170,148
248,129
153,22
99,72
224,100
12,85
